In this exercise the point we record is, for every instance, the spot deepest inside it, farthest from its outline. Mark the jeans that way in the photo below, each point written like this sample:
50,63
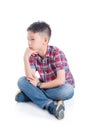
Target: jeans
42,97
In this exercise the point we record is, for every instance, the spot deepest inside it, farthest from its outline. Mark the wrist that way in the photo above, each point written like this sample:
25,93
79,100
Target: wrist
39,84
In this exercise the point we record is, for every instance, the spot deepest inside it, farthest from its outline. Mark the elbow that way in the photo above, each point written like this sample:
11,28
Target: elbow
62,81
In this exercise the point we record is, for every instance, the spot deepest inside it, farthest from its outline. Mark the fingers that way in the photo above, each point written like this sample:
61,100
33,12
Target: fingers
33,80
32,77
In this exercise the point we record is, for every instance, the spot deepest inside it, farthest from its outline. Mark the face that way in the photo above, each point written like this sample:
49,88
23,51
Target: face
35,40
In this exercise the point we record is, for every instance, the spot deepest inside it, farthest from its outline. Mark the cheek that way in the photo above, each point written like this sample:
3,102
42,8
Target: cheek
38,44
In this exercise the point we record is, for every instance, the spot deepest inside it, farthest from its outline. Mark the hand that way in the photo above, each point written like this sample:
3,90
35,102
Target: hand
31,76
34,80
29,51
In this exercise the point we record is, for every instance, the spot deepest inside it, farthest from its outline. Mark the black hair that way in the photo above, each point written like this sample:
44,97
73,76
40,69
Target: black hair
40,27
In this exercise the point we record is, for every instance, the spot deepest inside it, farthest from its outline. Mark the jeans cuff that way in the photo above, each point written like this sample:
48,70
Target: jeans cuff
47,105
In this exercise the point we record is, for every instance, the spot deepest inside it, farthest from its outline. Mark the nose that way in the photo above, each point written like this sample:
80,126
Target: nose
29,43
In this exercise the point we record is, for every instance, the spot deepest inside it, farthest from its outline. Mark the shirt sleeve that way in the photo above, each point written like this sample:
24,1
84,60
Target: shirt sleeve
60,60
32,62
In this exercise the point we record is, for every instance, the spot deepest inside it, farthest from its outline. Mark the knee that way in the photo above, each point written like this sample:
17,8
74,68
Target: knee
67,92
71,92
21,81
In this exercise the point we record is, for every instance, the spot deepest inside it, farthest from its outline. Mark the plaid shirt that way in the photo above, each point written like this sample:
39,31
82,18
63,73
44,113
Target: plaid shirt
48,66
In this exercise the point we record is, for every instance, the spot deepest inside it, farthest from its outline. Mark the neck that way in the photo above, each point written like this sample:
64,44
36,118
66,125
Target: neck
42,51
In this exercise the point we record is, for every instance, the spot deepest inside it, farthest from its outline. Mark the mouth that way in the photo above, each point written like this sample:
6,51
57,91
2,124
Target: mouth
31,48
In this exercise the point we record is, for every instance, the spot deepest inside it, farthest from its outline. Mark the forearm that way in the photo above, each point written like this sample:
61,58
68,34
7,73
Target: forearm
52,84
30,73
27,67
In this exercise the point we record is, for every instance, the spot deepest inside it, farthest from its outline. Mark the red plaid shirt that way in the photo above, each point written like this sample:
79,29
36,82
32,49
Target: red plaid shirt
48,66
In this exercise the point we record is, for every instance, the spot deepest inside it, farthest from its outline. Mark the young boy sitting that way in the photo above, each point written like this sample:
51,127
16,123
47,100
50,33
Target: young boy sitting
56,82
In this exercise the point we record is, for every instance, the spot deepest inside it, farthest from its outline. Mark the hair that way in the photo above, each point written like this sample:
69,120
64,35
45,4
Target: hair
40,27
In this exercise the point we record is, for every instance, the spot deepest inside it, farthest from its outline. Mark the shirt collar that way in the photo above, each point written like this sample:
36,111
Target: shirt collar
47,53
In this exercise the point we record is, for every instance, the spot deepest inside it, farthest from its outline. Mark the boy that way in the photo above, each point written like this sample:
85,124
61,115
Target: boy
56,82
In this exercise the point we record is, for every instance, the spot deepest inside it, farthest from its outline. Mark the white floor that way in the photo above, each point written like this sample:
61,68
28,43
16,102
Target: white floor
26,116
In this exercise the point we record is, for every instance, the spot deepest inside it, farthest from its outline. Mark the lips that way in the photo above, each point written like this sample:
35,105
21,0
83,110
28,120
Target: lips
30,48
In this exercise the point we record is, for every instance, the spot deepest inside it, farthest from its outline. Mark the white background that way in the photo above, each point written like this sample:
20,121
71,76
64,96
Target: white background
68,21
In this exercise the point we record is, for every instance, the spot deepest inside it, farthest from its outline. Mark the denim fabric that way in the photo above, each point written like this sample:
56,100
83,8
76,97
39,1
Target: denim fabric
21,97
42,97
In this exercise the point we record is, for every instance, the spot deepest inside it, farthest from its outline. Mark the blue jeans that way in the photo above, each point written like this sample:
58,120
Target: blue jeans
42,97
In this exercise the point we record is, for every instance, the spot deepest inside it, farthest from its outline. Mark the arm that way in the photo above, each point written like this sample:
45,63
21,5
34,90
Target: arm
60,80
30,73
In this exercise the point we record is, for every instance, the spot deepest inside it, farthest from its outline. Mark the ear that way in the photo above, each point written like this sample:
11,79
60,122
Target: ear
46,39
